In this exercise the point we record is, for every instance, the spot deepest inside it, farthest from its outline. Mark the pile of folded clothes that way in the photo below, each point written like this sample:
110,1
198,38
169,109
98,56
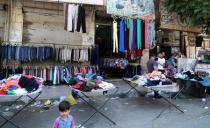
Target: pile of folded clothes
189,75
19,84
88,82
151,79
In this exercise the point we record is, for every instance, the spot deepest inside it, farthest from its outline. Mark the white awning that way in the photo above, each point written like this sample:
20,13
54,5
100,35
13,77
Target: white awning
92,2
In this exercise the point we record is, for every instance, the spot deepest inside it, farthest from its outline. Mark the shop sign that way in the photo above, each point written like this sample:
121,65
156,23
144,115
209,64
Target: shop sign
92,2
130,7
174,21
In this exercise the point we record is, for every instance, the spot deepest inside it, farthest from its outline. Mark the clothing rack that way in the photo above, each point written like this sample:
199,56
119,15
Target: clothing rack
36,43
50,73
150,17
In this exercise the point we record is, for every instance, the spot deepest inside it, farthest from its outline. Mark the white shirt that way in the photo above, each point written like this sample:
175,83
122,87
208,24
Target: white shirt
161,61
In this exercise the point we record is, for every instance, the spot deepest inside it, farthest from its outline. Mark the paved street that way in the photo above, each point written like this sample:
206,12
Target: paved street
133,112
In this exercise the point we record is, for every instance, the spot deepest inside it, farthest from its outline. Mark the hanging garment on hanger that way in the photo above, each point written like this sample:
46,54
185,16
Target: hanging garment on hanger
76,54
55,75
139,34
115,37
83,55
134,44
131,34
72,11
45,74
68,53
146,34
65,5
151,33
122,30
127,23
81,21
126,39
76,17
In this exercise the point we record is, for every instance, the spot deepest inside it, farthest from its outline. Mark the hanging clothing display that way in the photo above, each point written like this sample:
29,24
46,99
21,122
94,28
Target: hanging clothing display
94,59
65,6
139,33
115,63
81,22
115,37
83,55
122,30
56,74
146,34
131,34
29,54
74,18
134,36
151,33
134,43
26,53
67,54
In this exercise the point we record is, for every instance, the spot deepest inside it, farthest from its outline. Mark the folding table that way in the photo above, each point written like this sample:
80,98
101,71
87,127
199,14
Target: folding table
14,99
164,88
99,92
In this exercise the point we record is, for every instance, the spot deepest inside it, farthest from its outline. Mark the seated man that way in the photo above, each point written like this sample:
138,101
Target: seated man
152,64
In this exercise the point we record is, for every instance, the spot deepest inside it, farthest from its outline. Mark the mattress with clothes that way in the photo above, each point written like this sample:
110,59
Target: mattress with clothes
19,85
165,88
105,88
141,84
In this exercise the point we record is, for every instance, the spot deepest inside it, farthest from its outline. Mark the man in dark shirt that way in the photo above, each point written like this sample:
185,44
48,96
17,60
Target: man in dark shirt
151,64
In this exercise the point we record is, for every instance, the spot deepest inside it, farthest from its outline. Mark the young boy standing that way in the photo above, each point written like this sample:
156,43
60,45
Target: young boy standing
64,120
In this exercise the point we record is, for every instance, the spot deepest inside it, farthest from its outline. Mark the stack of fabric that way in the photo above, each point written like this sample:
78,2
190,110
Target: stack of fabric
19,85
88,82
188,75
151,79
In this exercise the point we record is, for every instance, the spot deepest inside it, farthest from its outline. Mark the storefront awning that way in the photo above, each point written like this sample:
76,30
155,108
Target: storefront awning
92,2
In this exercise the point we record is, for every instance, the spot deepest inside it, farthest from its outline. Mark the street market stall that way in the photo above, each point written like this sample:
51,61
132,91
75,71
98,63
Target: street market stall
19,88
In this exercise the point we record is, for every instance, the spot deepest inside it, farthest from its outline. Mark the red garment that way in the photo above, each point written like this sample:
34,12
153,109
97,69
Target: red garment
77,85
146,34
138,53
98,82
134,54
2,92
12,82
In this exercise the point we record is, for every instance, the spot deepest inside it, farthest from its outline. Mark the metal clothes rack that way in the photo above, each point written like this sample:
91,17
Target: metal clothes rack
53,45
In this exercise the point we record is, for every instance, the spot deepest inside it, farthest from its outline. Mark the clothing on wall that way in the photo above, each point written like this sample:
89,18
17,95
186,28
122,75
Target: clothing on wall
94,56
65,6
135,33
81,22
146,34
131,34
122,31
151,33
115,63
134,54
83,55
115,37
29,54
26,53
139,33
74,18
66,54
56,74
134,43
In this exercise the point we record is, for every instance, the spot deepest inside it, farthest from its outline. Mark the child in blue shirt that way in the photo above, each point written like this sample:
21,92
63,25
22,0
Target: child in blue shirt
64,120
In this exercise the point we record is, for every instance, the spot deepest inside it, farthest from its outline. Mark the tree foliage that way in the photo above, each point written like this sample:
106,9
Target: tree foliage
198,11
